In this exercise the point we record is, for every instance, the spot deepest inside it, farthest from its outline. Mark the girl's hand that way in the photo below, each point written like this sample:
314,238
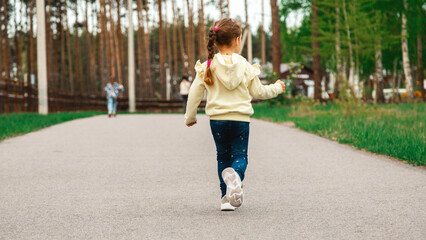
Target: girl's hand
282,84
191,124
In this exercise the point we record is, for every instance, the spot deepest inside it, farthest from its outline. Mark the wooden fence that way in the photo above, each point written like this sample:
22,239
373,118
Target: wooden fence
21,97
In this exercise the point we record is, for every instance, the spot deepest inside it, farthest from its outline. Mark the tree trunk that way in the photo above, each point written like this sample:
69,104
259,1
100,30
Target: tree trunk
49,42
131,58
6,47
92,61
43,103
70,61
227,7
30,56
63,37
1,42
103,68
169,56
5,52
113,53
247,28
96,48
378,83
149,83
168,45
326,81
115,46
120,43
394,73
405,57
356,64
344,69
175,40
351,59
315,50
339,73
32,43
55,54
246,13
202,45
420,77
276,42
262,36
398,85
190,40
78,68
30,48
182,47
161,52
221,8
141,47
18,47
109,48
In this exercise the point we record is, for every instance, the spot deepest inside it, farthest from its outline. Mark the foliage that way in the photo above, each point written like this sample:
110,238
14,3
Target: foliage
368,24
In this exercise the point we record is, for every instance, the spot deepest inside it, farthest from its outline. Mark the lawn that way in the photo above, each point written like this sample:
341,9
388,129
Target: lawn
393,130
21,123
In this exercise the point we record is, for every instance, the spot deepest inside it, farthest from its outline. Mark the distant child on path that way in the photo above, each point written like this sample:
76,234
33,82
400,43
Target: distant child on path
113,91
184,87
231,82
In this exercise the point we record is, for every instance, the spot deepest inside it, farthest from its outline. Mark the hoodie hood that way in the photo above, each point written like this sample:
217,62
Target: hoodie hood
230,75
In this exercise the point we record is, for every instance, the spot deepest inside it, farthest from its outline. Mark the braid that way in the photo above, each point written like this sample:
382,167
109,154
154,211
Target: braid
208,78
222,33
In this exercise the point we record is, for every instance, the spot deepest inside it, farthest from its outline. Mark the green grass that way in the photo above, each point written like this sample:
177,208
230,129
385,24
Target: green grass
21,123
393,130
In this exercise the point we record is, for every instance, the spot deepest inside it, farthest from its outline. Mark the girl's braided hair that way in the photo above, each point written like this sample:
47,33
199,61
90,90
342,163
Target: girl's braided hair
222,33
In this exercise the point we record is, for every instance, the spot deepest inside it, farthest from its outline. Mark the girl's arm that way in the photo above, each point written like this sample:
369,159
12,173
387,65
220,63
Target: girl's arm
196,94
257,89
260,91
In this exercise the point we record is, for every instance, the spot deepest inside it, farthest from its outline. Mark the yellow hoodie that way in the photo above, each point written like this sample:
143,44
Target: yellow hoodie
229,97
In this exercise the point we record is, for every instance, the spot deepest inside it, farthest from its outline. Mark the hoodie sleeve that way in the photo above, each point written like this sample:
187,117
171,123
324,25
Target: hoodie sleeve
257,89
196,94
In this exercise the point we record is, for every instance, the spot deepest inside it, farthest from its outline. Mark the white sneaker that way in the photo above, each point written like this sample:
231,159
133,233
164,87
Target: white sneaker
225,205
234,190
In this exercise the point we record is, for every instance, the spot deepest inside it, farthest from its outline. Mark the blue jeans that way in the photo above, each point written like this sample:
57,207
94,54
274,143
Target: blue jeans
231,139
112,105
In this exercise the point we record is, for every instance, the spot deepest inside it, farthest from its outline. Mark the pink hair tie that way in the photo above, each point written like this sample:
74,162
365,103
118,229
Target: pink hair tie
215,28
232,20
209,63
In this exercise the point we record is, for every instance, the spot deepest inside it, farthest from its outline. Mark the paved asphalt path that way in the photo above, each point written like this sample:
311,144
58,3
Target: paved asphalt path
151,177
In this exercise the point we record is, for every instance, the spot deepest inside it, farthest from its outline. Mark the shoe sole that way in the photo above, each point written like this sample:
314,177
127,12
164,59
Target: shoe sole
227,207
234,191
